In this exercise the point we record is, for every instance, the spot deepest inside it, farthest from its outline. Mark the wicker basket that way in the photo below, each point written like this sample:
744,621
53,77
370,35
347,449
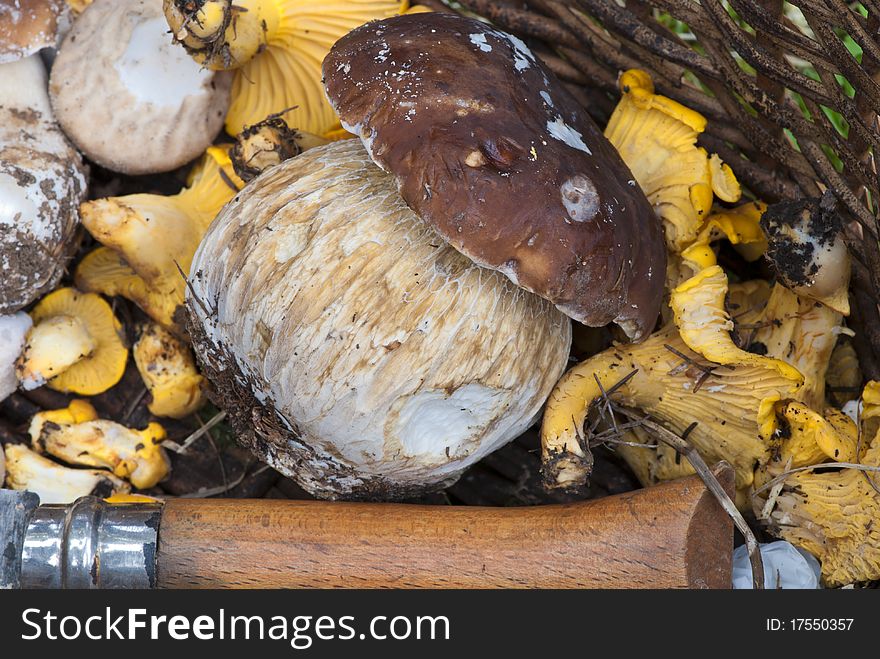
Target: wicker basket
791,91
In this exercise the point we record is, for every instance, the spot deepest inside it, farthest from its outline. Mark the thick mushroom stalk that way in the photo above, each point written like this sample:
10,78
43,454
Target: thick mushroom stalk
75,345
492,151
169,372
77,436
675,387
54,483
276,47
42,182
807,248
154,238
353,349
657,138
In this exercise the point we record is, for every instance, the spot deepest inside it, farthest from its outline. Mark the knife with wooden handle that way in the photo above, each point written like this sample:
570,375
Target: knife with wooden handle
673,535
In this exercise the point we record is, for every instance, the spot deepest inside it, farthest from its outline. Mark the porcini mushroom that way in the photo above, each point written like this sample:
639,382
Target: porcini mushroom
74,346
505,165
169,372
154,238
13,330
26,26
276,46
119,69
77,436
42,181
352,349
807,248
54,483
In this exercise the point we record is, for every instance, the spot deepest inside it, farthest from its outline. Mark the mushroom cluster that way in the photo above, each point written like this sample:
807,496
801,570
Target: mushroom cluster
374,315
738,368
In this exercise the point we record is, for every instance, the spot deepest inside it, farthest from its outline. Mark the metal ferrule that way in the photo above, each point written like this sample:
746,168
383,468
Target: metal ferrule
91,544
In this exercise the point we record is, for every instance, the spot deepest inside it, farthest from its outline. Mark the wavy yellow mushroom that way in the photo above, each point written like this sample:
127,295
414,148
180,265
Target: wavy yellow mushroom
725,406
834,515
704,324
657,137
802,333
77,436
154,238
75,345
277,47
168,370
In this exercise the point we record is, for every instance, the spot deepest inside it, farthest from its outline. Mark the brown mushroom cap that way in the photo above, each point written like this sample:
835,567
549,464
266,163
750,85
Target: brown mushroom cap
490,149
26,26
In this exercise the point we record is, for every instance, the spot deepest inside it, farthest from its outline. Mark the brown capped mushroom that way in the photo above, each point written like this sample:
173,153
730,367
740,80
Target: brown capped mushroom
26,26
490,149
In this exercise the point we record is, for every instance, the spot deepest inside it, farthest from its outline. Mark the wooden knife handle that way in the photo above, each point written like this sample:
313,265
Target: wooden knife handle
669,536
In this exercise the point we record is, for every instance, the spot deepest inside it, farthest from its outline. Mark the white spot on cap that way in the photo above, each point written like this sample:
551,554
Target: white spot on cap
561,131
547,99
479,40
580,198
523,57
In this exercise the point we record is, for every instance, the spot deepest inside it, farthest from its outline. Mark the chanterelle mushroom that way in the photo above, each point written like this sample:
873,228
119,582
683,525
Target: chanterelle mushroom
168,370
153,238
77,436
353,349
42,182
277,47
657,138
74,346
490,149
131,99
834,516
54,483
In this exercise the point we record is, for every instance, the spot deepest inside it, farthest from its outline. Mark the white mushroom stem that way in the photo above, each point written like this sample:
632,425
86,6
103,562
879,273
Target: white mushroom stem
52,347
42,182
27,470
13,330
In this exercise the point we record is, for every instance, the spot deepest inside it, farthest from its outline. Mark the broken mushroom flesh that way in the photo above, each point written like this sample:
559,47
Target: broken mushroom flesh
55,483
118,69
352,348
